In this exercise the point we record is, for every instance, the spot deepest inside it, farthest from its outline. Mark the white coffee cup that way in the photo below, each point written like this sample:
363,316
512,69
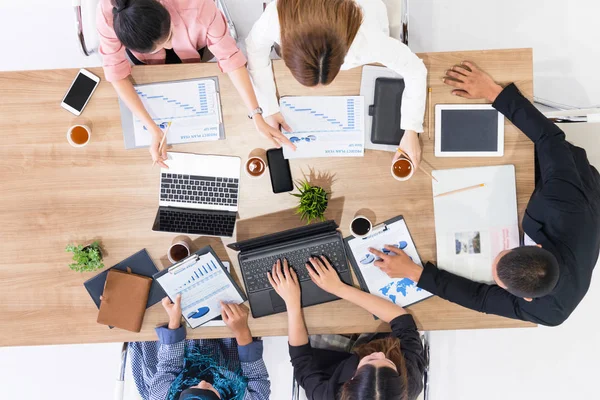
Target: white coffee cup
180,246
79,143
403,159
360,226
255,167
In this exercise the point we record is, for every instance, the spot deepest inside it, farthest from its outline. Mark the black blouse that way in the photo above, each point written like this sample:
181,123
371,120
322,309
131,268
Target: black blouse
322,373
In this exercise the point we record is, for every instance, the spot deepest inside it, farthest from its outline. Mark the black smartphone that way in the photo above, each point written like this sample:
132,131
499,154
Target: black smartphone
279,168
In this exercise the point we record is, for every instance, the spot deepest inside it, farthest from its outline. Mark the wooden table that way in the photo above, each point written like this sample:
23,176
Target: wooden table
54,194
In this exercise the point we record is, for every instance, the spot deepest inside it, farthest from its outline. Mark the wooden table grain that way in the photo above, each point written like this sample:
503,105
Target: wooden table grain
53,194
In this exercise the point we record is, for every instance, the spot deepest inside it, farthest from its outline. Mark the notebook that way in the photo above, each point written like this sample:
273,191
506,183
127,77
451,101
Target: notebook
124,300
386,111
474,225
140,263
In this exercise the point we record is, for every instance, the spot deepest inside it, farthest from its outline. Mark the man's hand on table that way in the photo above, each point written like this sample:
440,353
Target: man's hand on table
471,82
173,310
397,264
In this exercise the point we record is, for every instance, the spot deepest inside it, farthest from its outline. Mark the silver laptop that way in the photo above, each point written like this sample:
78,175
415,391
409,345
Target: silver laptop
198,194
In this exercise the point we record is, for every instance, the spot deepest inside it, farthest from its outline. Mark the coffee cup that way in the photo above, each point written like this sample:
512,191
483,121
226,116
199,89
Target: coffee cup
79,135
255,167
360,226
402,169
178,251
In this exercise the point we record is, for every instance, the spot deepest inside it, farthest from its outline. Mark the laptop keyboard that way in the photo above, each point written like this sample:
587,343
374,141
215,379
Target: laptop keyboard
199,189
197,223
255,271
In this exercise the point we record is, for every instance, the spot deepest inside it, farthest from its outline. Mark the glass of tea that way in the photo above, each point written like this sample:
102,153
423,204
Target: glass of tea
79,135
403,169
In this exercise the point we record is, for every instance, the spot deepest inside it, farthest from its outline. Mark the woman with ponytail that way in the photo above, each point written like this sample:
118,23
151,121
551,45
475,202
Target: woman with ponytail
170,31
388,367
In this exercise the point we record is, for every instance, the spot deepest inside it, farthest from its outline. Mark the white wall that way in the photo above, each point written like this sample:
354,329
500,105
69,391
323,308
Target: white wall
553,364
564,36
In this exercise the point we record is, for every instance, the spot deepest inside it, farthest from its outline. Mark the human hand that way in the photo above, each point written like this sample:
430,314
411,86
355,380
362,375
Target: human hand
236,318
411,146
269,128
173,310
324,275
158,157
471,82
397,264
285,282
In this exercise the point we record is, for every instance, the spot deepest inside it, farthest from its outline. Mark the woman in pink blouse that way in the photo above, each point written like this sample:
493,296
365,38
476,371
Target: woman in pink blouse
170,31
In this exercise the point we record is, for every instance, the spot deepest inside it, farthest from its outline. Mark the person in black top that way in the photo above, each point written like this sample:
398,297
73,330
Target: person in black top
382,369
545,281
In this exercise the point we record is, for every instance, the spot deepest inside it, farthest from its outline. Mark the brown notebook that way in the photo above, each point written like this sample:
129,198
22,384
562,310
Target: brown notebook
124,300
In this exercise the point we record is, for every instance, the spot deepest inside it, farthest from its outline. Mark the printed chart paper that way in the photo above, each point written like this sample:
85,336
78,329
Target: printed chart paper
324,126
202,285
402,292
192,107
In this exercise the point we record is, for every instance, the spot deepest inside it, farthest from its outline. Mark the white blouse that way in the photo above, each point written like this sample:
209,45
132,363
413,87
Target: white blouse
372,44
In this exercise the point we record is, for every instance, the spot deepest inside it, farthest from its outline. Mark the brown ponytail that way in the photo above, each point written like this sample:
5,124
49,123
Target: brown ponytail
316,36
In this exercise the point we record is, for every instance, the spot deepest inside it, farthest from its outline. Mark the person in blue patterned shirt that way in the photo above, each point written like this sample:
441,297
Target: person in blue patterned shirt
174,368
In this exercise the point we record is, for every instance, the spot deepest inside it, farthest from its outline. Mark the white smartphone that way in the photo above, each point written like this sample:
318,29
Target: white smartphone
80,92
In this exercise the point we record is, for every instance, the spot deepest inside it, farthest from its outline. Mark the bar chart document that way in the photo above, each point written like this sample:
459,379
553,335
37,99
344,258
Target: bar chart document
203,284
192,108
324,126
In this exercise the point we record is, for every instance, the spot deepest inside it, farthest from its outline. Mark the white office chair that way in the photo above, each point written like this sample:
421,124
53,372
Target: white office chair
85,19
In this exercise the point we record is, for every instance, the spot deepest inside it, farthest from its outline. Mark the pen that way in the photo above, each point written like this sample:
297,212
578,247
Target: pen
460,190
162,141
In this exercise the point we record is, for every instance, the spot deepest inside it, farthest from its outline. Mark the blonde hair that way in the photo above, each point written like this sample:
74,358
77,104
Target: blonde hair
316,36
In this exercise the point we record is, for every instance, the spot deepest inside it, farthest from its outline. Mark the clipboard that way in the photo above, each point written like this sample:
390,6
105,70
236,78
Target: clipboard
191,261
396,287
127,117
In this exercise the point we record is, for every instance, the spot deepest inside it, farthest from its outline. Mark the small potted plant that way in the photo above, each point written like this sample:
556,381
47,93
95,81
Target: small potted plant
86,258
313,201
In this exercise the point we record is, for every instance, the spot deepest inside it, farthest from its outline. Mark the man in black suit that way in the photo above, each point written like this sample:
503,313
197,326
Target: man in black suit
544,280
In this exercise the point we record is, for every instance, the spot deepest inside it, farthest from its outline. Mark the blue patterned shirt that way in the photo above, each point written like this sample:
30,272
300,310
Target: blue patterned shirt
155,365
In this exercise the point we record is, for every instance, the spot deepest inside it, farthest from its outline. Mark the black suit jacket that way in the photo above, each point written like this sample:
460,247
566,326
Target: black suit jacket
563,215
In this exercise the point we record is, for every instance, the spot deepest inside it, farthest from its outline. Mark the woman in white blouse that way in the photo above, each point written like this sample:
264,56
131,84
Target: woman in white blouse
318,38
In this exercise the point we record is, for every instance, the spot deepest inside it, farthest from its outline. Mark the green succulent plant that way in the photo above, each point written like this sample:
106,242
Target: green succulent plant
313,201
86,258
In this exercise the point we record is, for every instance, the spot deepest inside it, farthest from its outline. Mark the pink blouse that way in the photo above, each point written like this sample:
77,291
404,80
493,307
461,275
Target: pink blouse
196,24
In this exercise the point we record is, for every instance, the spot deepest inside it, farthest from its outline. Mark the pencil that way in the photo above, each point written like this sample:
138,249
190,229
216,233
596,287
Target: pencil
460,190
429,122
162,141
399,150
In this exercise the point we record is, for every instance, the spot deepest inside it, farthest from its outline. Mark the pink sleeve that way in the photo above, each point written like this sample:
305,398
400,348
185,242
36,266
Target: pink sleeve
114,61
220,43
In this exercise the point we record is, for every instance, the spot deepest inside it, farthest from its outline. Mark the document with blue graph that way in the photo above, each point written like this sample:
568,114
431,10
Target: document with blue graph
324,126
203,283
400,291
191,107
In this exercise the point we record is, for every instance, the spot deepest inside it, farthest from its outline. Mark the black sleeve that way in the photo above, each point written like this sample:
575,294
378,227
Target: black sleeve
489,299
556,160
307,372
405,329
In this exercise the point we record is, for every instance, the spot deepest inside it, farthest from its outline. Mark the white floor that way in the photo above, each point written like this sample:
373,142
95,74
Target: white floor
538,363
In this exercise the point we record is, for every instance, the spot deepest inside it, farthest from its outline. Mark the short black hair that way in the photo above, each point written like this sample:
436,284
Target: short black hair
528,271
140,24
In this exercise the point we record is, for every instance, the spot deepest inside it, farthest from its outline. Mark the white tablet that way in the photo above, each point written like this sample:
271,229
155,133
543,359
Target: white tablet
468,130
